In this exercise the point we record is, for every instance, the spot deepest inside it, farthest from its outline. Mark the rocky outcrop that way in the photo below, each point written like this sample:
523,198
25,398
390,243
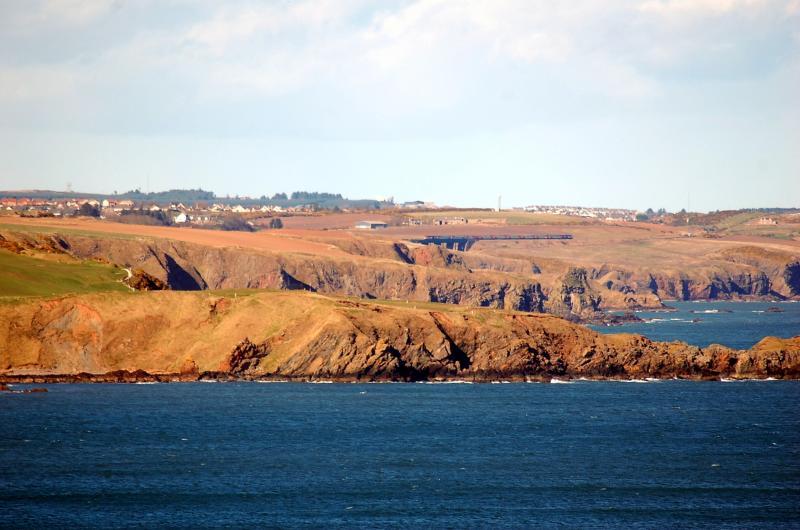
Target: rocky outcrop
574,295
734,273
298,335
141,281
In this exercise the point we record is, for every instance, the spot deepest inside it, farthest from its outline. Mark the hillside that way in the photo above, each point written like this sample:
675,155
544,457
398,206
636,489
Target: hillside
296,335
50,275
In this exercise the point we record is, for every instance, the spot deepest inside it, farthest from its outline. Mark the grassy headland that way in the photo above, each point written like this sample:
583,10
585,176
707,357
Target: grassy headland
51,275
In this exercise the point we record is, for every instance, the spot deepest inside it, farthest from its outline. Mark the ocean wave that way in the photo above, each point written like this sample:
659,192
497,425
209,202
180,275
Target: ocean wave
748,380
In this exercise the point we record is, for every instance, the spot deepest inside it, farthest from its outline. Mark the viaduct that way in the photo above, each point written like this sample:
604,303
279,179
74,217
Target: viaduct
464,243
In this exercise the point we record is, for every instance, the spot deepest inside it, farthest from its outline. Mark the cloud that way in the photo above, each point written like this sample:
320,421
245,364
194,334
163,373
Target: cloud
698,7
36,15
361,64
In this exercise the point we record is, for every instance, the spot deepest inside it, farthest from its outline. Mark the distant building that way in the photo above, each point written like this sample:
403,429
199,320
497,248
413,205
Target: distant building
767,221
370,225
450,221
180,218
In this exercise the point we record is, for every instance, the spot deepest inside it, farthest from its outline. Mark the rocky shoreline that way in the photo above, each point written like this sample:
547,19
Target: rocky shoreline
141,377
298,336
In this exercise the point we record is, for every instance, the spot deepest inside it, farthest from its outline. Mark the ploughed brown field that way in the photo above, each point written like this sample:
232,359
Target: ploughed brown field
300,241
593,244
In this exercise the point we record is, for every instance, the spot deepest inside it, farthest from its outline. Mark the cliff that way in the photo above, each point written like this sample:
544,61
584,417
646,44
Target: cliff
376,269
186,266
298,335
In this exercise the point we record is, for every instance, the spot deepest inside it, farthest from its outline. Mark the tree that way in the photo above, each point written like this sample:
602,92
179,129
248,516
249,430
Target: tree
88,210
280,197
275,222
236,222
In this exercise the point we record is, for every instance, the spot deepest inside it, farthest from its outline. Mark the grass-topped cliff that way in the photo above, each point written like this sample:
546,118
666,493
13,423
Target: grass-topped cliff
43,274
301,335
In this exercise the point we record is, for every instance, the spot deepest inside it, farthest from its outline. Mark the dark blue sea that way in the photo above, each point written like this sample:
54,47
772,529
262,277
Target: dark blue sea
580,455
671,454
737,325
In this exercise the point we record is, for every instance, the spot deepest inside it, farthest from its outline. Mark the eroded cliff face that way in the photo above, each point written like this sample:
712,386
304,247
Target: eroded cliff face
309,336
395,271
184,266
735,273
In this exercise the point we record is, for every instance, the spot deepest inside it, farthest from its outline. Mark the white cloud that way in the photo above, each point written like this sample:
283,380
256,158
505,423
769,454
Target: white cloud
37,83
702,7
37,15
373,61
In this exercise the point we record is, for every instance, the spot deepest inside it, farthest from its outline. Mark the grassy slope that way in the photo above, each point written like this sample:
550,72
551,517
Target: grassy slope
24,276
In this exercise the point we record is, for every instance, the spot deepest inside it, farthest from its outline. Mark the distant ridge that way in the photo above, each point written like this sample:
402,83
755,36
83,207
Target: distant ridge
321,200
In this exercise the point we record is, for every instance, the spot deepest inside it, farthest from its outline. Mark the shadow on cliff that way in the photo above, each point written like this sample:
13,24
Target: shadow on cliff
179,278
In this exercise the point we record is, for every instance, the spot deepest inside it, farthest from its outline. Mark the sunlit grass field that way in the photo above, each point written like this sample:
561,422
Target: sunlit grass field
26,276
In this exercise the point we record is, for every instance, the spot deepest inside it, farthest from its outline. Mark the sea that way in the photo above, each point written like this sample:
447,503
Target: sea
738,325
580,454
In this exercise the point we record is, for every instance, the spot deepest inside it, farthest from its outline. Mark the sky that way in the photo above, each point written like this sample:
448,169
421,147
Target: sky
615,103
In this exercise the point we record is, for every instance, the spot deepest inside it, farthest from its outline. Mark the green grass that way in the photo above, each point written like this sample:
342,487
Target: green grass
24,276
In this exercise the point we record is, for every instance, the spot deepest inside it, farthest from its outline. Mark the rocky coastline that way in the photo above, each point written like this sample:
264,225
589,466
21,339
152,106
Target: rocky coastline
172,336
141,377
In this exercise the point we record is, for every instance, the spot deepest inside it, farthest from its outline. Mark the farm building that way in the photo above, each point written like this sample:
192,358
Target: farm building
370,225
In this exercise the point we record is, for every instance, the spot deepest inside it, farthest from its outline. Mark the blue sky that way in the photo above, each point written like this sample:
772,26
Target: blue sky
637,103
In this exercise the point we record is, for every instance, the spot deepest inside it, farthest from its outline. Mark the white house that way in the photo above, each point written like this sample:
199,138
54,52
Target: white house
180,218
370,225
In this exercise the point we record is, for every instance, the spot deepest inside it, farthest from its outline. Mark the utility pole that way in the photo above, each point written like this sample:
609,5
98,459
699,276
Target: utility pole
688,205
499,202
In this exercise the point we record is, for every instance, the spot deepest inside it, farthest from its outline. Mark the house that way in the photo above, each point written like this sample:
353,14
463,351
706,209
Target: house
180,218
451,221
370,225
767,221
